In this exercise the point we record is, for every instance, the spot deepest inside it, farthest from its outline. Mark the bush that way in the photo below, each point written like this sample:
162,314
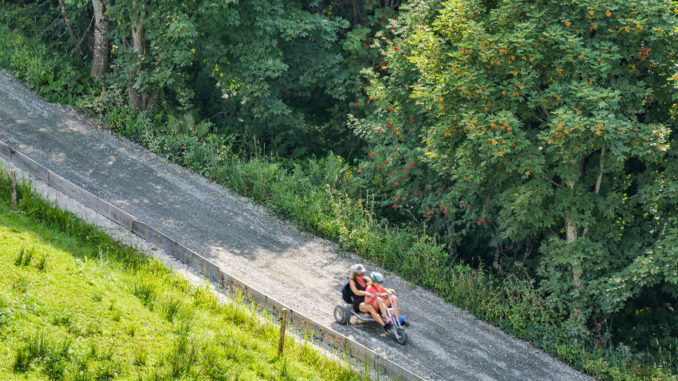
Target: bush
54,76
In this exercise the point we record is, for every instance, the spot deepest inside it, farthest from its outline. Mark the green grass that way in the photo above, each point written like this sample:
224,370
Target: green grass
76,304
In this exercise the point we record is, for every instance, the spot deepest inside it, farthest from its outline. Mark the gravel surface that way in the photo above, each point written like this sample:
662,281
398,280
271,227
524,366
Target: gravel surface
296,268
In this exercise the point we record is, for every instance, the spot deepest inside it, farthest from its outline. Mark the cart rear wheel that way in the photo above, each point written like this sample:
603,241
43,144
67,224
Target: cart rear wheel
341,314
402,336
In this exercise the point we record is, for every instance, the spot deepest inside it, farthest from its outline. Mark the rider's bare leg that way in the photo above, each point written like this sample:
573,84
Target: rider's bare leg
382,307
395,304
364,307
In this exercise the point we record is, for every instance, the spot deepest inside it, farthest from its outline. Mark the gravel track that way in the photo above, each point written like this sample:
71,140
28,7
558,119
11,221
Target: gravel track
296,268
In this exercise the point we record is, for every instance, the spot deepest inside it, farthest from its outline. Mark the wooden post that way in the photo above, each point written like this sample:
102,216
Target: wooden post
13,175
283,322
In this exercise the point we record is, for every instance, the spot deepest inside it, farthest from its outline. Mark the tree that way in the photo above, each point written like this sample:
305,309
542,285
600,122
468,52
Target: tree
544,108
389,120
100,49
279,71
140,99
554,114
156,43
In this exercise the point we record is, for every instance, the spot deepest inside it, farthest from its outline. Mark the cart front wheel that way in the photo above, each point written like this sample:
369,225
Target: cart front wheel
341,315
401,337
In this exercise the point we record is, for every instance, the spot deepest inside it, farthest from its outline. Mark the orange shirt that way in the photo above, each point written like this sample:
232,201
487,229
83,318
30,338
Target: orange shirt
374,290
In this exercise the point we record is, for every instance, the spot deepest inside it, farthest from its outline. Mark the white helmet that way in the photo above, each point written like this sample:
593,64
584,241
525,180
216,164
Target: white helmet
357,268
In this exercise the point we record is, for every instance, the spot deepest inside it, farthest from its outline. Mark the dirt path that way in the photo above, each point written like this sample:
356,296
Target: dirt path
298,269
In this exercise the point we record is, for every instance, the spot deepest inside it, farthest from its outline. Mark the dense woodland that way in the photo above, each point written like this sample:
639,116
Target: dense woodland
517,157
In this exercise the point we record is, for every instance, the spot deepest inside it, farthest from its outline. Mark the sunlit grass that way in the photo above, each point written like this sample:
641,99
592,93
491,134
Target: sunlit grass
75,304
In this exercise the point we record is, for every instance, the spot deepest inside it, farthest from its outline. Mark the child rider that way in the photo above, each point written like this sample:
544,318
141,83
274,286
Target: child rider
382,302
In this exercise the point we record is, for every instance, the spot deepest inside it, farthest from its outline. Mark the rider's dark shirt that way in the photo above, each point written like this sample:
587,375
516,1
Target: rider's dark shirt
357,299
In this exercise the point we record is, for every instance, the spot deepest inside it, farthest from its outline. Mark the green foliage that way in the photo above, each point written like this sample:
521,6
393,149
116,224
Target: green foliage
52,75
541,111
530,124
395,170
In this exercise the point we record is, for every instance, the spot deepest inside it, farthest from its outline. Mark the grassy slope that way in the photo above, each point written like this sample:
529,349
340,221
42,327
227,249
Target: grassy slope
98,309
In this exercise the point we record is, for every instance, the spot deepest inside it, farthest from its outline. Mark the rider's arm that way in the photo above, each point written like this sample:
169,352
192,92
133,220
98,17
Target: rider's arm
355,290
370,294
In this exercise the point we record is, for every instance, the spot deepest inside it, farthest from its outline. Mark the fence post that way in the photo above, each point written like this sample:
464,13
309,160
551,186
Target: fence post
13,175
283,322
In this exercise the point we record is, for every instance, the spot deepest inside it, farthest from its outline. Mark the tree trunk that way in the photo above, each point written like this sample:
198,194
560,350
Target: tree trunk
100,56
572,235
62,6
140,100
356,20
135,97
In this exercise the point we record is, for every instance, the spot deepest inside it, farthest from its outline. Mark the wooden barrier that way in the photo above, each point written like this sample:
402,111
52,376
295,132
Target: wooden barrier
211,271
281,340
